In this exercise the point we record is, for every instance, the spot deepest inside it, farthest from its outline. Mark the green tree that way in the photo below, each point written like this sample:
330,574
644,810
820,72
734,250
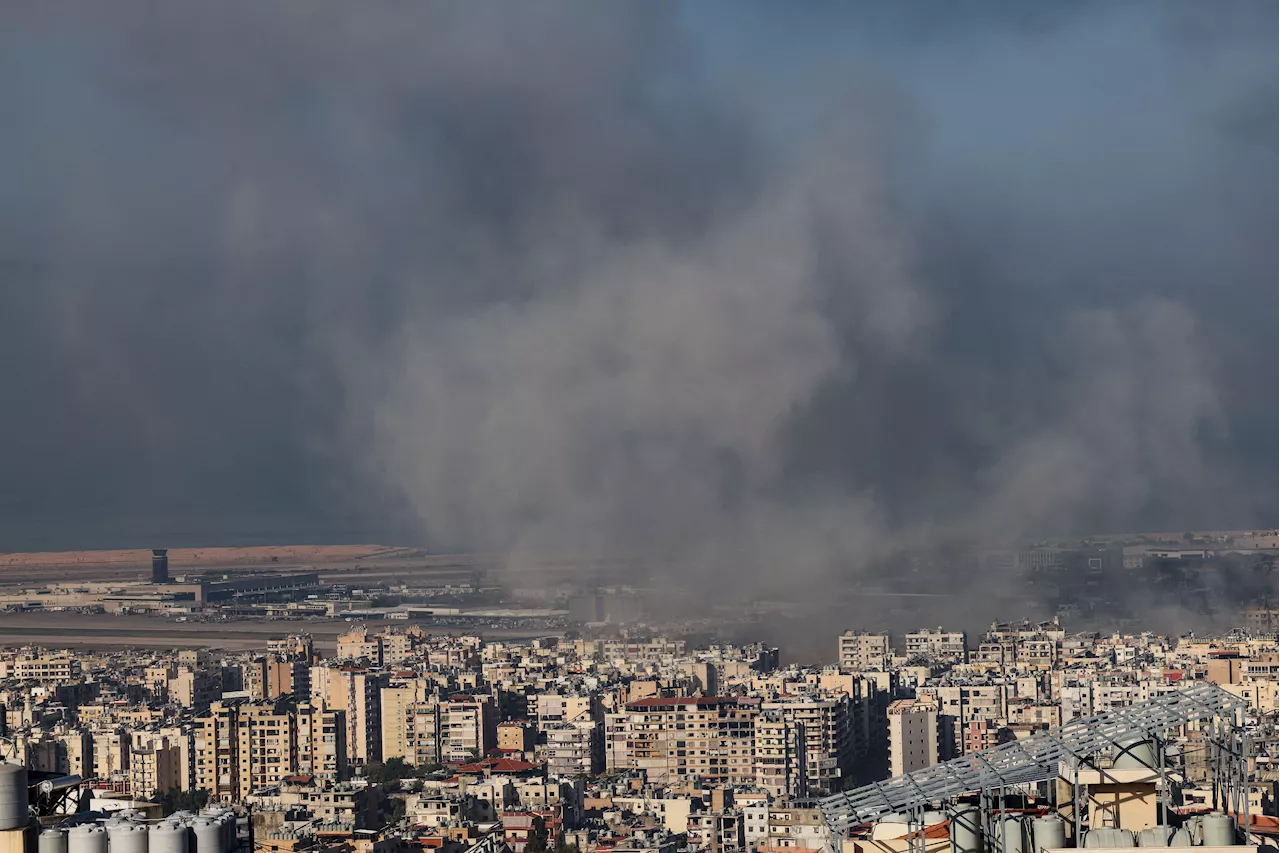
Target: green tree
177,800
392,770
538,837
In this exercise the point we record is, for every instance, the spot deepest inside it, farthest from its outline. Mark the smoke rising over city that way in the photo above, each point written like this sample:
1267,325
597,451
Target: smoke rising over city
765,293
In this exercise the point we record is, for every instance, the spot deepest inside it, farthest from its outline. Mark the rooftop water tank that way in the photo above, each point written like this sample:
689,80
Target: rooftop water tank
1108,837
1012,835
1048,833
1219,830
208,835
13,796
127,837
168,838
966,829
87,838
52,841
1134,753
1155,836
227,820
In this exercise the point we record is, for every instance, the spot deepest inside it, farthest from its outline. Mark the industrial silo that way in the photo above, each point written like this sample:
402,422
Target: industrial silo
13,796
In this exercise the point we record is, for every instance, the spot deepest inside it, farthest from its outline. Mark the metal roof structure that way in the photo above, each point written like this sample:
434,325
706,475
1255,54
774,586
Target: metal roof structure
1032,759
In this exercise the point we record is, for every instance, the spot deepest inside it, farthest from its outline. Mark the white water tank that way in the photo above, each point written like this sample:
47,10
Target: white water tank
1155,836
1181,838
1048,833
233,830
168,838
208,835
13,796
127,837
1107,837
52,841
1013,836
889,827
1134,753
1219,830
87,839
966,829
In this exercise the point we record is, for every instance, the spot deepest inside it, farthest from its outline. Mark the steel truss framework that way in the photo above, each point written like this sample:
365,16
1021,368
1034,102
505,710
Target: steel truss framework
1033,759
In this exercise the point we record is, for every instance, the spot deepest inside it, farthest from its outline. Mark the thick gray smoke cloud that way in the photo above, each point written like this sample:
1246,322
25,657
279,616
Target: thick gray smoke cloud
760,292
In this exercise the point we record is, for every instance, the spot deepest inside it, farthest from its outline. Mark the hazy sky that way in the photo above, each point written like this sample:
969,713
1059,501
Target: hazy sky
731,283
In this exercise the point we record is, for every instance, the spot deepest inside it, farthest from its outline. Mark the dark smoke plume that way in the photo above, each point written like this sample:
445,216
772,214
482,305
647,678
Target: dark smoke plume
761,292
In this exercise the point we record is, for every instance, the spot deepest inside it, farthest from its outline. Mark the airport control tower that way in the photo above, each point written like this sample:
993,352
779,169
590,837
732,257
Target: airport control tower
160,565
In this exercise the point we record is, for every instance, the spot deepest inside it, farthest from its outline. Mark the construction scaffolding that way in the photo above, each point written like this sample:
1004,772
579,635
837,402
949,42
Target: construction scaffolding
1064,751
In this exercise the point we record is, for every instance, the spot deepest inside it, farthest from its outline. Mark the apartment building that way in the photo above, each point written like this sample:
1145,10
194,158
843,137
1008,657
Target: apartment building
295,647
861,650
961,704
671,739
468,727
58,669
357,693
320,745
826,721
111,748
195,689
516,736
253,676
266,744
913,736
422,728
781,764
245,747
796,829
937,645
155,765
156,679
552,708
411,722
396,647
1036,653
270,677
216,745
357,645
652,651
182,739
617,738
573,749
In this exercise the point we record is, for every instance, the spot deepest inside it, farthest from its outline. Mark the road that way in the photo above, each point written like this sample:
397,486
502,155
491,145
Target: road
107,632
